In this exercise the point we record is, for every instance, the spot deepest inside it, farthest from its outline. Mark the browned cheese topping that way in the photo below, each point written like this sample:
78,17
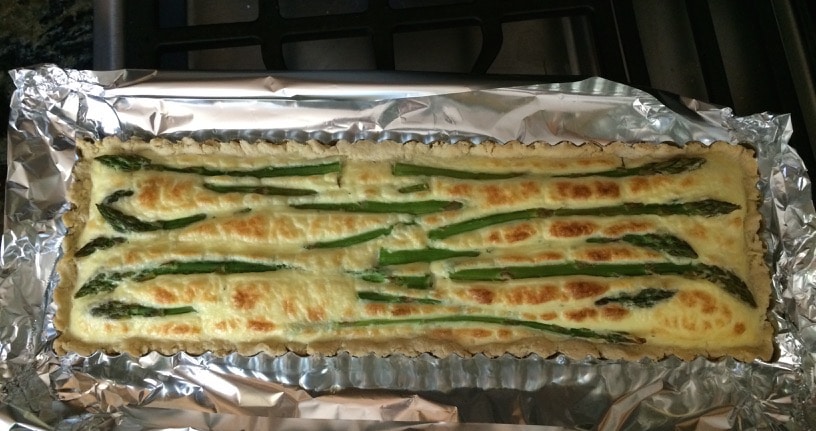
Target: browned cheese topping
620,251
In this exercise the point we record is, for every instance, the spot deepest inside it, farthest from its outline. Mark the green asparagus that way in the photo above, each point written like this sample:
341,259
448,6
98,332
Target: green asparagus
414,208
395,299
645,298
122,310
99,243
665,243
131,162
724,279
666,167
124,162
108,281
103,282
399,257
418,282
122,222
421,187
205,267
407,169
610,336
115,196
259,190
707,208
352,240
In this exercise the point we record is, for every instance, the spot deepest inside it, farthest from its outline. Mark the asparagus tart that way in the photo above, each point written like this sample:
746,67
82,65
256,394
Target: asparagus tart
616,251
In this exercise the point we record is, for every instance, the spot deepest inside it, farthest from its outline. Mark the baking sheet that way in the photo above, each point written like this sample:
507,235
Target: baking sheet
53,106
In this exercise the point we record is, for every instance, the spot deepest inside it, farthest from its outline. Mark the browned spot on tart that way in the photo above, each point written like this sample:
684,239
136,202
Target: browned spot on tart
149,195
533,294
248,227
375,309
315,314
619,229
497,196
260,325
164,296
606,254
245,298
571,229
481,295
578,191
460,190
530,188
703,300
402,310
607,189
289,307
582,314
586,289
519,233
638,184
178,329
614,312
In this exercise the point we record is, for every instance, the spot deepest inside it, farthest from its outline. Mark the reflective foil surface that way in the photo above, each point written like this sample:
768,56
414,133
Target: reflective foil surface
52,107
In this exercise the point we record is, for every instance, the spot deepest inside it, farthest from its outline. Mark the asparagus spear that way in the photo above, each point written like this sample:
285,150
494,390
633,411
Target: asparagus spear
122,222
610,336
122,310
205,267
646,298
414,208
115,196
395,299
724,279
124,162
260,190
102,283
99,243
421,187
407,169
108,281
707,208
399,257
665,243
418,282
132,162
352,240
666,167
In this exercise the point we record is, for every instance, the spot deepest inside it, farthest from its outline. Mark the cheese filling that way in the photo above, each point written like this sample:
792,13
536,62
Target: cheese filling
300,246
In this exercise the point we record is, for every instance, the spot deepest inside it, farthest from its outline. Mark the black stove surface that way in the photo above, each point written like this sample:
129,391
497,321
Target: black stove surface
752,55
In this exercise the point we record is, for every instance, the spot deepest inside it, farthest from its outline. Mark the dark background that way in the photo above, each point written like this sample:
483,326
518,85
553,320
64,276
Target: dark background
42,31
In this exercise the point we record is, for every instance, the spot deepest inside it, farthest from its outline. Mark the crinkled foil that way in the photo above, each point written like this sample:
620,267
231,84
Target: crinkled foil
52,107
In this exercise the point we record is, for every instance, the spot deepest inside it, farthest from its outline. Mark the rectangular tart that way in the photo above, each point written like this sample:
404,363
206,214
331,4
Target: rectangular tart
615,251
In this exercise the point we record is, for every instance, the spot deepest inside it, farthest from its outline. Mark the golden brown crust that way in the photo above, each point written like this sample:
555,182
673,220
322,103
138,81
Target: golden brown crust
533,299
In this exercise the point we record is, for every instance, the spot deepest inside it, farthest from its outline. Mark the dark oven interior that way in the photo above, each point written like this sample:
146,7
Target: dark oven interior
752,55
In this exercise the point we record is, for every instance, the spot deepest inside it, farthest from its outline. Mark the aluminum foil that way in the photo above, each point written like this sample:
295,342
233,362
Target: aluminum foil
40,390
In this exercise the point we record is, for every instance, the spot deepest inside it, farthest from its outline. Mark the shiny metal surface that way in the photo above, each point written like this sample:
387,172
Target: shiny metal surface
52,107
